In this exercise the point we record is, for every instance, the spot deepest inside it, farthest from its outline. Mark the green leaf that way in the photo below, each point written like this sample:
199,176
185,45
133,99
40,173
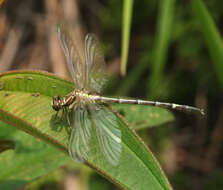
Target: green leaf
6,144
22,107
211,35
30,158
126,27
141,117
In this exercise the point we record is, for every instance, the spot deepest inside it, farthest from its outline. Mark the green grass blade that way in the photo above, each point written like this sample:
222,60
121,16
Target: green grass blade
131,79
126,28
211,35
28,111
165,23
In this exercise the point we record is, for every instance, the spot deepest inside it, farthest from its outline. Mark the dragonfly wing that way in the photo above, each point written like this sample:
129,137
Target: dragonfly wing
95,64
108,133
73,59
80,135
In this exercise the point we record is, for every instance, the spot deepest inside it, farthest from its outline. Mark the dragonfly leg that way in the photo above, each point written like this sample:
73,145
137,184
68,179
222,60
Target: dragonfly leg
56,114
65,112
62,116
67,117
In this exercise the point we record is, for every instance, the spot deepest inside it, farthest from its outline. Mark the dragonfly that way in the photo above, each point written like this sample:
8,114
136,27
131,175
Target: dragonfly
94,124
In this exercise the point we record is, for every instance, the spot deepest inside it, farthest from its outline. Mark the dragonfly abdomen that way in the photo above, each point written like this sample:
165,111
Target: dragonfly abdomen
149,103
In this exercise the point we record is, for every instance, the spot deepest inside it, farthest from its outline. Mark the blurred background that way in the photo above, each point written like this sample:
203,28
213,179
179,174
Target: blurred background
170,59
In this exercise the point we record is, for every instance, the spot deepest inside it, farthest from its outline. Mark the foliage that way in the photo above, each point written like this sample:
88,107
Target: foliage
174,53
26,104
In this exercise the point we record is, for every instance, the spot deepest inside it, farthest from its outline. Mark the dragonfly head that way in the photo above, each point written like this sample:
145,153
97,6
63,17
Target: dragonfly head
56,103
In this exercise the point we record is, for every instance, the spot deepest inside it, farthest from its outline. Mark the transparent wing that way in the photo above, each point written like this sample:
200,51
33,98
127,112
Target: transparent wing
79,142
73,59
95,136
95,65
108,133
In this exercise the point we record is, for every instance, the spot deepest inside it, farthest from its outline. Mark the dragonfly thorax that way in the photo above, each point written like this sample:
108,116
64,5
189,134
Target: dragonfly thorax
83,97
74,99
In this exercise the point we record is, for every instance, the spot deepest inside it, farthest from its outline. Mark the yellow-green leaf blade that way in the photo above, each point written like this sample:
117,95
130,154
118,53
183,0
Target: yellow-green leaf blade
24,108
141,117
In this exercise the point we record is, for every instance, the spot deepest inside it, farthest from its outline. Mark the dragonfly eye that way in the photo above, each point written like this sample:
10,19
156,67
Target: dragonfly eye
56,103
